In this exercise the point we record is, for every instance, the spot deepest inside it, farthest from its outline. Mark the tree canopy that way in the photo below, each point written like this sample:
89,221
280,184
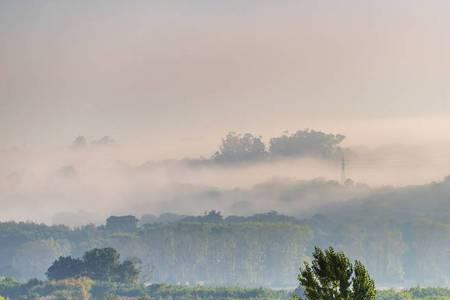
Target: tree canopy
98,264
306,143
331,276
239,148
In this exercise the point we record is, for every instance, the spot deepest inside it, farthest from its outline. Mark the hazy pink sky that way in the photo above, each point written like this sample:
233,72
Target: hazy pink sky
150,72
168,79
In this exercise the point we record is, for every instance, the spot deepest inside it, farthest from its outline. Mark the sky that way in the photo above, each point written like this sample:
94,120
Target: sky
188,71
167,79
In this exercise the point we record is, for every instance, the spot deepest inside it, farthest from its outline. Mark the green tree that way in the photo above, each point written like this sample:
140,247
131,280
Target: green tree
331,276
66,267
101,263
98,264
363,285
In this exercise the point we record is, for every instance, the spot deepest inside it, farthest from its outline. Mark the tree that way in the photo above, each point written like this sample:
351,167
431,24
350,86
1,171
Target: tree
306,143
101,263
66,267
331,276
97,264
363,285
79,142
236,148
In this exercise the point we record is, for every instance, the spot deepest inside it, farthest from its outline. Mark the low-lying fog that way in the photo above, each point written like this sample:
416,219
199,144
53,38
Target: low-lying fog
91,179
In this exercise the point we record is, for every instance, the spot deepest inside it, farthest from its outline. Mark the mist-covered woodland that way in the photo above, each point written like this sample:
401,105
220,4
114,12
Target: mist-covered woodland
250,234
401,238
224,150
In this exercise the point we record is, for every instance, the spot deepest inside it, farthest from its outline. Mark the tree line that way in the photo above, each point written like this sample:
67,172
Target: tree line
242,148
330,275
398,247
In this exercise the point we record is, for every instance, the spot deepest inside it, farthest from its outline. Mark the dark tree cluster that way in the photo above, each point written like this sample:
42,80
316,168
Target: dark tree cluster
237,148
98,264
306,143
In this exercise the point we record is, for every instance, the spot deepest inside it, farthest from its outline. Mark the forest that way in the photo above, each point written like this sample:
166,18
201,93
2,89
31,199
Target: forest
402,241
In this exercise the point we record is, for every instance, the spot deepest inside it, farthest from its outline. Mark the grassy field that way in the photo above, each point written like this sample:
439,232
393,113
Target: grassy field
83,289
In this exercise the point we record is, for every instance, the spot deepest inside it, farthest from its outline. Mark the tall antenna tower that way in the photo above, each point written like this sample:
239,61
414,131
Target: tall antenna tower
343,165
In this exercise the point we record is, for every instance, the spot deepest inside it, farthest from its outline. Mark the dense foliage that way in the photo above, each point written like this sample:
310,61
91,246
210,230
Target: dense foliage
98,264
219,253
331,276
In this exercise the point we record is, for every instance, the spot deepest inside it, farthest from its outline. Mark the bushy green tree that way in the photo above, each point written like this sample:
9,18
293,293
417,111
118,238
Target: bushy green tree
66,267
331,276
101,263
